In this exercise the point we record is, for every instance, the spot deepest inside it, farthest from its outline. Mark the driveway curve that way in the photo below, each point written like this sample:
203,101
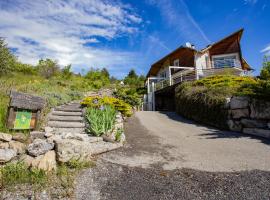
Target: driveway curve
169,141
167,157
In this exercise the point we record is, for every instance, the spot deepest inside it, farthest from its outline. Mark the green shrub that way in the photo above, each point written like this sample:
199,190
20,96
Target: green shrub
101,120
129,95
117,104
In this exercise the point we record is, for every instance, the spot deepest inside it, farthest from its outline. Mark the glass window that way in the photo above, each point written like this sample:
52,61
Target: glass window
226,61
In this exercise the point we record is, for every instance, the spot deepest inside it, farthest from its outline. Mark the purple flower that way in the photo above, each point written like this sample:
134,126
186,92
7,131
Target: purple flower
95,101
101,108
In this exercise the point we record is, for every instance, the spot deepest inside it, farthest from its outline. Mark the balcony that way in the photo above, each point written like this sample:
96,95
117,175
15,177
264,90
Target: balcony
191,74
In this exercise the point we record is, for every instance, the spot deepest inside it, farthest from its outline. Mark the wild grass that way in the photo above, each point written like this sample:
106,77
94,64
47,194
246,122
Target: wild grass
17,174
55,90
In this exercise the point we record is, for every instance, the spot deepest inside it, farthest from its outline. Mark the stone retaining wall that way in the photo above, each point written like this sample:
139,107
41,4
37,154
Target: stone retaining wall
250,116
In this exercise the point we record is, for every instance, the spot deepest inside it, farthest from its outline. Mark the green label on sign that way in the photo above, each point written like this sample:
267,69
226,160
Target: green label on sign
23,120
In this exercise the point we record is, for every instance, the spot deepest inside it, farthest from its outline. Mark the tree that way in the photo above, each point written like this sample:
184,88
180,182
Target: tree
265,72
7,59
98,78
48,68
132,74
133,80
105,72
66,72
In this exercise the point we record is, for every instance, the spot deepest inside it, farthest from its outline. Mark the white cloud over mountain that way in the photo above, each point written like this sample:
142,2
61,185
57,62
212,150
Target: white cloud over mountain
67,30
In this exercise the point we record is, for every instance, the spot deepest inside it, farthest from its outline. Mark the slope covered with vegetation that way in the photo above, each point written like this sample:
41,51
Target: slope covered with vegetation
203,100
57,85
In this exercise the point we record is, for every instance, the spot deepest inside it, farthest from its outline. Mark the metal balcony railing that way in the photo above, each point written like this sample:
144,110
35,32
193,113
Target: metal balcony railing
195,74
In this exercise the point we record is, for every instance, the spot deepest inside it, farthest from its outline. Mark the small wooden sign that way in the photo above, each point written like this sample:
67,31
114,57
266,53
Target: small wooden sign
24,111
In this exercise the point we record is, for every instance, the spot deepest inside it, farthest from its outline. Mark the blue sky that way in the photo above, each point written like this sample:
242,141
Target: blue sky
125,34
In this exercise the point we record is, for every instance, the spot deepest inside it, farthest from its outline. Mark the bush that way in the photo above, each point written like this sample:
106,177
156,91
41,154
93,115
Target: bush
100,120
203,100
129,95
117,104
48,68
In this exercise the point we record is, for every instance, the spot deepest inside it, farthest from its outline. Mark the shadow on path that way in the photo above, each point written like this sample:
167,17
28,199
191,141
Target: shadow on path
212,132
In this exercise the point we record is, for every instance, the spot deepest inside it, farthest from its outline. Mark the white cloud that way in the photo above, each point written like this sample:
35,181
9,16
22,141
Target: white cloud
252,2
66,30
266,50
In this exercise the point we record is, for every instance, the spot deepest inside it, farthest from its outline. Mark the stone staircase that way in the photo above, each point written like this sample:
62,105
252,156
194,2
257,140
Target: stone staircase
67,123
67,117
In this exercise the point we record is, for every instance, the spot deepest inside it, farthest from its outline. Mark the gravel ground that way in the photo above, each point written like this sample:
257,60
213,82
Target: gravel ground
140,170
112,181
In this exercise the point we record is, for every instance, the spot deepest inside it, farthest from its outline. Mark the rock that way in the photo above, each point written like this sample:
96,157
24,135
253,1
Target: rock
17,146
260,109
239,102
48,135
45,162
234,125
5,137
69,149
258,132
39,147
102,147
20,137
35,162
253,123
27,160
48,129
37,135
76,136
4,145
240,113
122,138
119,126
6,155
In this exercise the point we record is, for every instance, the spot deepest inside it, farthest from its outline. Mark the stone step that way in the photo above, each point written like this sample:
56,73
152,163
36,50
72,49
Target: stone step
65,118
60,124
73,130
68,109
102,147
65,113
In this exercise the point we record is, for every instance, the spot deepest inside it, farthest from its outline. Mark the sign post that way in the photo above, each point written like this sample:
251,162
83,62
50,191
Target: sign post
24,111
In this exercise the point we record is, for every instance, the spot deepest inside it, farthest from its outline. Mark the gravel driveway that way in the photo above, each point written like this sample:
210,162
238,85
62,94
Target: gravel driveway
168,157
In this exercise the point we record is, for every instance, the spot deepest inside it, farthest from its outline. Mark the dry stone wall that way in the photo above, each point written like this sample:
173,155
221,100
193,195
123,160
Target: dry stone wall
250,116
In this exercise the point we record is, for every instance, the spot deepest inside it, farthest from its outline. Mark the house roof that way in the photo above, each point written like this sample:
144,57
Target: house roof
238,35
155,67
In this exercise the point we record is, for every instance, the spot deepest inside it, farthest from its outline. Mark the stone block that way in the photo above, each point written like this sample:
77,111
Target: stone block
253,123
4,145
240,113
5,137
37,135
6,155
20,137
39,147
239,102
260,109
17,146
234,125
257,132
